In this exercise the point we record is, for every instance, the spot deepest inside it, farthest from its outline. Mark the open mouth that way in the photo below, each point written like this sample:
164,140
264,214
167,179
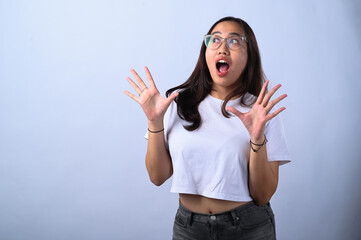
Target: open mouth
222,67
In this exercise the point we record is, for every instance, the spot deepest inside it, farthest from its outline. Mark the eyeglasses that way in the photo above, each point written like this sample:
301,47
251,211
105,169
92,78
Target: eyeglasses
234,42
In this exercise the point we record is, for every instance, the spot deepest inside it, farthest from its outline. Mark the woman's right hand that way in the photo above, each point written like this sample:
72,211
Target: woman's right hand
152,103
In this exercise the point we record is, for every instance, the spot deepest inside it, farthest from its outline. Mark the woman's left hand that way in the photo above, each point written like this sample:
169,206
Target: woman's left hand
255,120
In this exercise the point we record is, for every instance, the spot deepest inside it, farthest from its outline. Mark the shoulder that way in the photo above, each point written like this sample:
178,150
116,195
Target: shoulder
172,110
249,99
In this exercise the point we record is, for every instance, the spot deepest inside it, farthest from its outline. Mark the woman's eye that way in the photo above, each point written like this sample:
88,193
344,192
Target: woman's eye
234,41
216,40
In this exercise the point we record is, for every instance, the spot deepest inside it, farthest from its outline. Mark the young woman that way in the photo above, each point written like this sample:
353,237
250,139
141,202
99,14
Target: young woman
217,136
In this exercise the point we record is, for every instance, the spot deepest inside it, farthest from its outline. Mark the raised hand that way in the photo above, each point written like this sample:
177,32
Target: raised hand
255,120
152,103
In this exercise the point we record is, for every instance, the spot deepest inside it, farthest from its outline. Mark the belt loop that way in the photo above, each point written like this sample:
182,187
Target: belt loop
235,218
190,218
265,207
269,211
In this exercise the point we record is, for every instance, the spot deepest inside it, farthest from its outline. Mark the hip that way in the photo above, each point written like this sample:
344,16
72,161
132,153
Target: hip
248,221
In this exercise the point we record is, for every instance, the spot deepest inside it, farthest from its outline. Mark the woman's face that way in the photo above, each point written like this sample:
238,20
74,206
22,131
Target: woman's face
226,65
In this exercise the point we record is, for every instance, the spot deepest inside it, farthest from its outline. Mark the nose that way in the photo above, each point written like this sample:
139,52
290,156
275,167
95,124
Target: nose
223,49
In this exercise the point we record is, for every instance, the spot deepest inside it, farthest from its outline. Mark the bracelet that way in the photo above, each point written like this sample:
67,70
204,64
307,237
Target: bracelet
259,145
156,131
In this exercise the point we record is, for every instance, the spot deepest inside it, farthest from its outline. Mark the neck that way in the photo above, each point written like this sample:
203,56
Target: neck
221,93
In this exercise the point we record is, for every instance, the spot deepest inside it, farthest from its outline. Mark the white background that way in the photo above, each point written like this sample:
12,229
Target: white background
71,143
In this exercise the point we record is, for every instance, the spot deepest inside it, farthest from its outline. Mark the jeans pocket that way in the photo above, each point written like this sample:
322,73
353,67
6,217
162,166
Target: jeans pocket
254,217
180,219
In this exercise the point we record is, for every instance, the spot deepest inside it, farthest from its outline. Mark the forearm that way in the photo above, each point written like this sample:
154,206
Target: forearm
263,176
157,160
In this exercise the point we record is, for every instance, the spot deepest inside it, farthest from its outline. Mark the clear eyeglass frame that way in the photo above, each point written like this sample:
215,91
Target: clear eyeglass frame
207,39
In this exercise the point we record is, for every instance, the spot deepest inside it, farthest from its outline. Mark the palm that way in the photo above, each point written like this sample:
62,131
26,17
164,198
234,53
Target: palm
255,120
152,103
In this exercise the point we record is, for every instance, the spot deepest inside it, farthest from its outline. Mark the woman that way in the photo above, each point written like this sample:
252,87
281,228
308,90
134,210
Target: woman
224,166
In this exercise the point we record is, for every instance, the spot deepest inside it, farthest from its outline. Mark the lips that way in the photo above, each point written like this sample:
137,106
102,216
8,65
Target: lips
222,66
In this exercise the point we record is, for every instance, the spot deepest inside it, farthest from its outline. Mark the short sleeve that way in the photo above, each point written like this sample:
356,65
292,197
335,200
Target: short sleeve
277,148
146,135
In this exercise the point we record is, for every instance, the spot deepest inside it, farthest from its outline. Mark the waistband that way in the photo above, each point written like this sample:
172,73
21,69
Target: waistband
231,215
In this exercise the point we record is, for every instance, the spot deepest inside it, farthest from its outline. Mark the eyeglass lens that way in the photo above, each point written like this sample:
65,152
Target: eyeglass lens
214,42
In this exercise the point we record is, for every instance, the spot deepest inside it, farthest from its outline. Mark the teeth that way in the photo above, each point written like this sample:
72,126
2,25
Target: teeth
222,61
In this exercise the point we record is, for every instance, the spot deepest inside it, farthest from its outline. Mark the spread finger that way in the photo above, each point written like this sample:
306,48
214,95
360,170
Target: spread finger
139,79
134,85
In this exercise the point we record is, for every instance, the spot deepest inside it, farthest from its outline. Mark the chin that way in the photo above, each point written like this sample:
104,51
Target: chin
224,81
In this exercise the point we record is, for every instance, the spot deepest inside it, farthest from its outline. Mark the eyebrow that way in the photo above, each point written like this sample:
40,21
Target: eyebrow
232,33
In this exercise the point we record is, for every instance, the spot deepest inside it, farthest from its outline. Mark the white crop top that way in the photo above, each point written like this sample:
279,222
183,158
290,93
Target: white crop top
212,160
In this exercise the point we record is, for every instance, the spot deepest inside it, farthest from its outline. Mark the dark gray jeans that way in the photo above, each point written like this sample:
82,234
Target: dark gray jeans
248,221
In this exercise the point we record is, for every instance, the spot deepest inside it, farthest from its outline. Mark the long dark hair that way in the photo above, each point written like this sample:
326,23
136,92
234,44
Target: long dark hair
199,84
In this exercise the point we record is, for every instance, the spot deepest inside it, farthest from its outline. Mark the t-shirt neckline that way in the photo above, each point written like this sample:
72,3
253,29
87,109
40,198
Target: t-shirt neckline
222,100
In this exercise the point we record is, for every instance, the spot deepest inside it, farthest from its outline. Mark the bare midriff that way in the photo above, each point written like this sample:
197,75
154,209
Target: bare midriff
201,204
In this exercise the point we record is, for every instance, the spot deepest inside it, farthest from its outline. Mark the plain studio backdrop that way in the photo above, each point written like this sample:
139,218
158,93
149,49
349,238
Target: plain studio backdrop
72,144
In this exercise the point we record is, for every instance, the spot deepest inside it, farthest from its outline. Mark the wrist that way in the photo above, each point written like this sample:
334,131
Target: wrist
256,146
257,139
155,125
